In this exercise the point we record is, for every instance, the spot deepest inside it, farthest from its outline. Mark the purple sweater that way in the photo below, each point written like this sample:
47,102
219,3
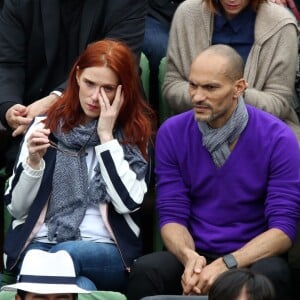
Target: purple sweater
257,188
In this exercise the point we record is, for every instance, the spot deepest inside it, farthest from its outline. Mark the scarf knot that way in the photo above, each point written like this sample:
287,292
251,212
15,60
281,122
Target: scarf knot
217,140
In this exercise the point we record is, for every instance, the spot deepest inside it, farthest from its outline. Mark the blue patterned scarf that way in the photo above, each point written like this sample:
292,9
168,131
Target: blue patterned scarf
71,191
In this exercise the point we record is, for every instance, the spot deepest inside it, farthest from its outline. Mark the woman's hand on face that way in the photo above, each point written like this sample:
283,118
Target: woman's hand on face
37,144
109,114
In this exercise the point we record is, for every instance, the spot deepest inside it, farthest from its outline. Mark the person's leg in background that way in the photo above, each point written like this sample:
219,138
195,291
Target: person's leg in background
155,48
158,273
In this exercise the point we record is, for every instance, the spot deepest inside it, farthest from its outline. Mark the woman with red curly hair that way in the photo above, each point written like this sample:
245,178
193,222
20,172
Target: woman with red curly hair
82,168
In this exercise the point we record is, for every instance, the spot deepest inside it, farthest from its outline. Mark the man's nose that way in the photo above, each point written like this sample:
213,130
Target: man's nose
198,94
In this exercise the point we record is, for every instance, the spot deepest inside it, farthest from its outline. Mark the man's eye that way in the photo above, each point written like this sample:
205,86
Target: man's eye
210,87
193,85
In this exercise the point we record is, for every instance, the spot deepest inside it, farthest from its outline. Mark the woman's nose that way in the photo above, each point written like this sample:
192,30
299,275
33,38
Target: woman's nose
95,94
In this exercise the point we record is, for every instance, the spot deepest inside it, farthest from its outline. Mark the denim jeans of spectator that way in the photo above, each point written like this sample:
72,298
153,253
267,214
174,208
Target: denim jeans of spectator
155,48
155,41
98,266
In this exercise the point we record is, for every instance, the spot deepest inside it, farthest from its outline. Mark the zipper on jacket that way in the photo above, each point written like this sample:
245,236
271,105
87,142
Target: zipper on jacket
110,230
29,240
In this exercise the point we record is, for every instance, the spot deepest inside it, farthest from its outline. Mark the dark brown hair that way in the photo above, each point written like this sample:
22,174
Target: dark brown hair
22,294
229,285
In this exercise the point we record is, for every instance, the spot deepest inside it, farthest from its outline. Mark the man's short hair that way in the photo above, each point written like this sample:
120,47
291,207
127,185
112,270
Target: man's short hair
235,63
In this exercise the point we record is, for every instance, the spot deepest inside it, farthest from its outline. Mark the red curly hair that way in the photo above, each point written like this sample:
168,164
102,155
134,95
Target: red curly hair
136,117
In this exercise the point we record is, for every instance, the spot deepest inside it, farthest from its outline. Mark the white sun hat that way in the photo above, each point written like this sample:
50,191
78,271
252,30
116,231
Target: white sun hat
47,273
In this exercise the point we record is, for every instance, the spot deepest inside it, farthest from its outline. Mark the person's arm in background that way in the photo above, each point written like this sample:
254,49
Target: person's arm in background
273,90
186,40
127,22
13,63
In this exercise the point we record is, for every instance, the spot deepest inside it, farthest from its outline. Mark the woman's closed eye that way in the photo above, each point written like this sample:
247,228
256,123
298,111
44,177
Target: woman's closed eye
89,83
109,88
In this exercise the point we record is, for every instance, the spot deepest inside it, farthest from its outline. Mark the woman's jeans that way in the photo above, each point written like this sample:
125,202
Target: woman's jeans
98,266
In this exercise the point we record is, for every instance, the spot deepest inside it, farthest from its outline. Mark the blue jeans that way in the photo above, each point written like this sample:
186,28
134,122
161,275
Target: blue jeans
98,266
155,42
155,47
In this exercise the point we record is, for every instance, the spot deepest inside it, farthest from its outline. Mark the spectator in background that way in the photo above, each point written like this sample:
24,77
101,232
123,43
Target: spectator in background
82,168
157,26
46,276
228,187
241,284
263,33
294,6
39,42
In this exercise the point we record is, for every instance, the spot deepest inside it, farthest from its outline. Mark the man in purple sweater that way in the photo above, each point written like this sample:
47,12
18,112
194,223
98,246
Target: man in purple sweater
228,187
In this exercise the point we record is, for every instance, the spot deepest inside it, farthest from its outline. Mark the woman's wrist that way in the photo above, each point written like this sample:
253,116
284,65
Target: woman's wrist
33,161
104,138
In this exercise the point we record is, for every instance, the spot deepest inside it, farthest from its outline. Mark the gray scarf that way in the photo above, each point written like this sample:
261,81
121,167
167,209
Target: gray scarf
71,192
217,140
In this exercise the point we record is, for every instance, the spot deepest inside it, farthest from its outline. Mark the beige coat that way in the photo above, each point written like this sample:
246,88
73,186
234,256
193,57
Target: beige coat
270,68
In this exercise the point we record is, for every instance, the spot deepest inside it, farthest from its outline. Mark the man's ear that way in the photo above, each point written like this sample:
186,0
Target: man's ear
17,297
240,87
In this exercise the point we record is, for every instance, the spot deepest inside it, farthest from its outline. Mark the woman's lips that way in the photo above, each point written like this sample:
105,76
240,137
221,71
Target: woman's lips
92,107
231,7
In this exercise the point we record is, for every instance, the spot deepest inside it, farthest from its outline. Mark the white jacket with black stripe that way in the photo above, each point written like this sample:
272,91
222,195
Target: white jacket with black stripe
29,190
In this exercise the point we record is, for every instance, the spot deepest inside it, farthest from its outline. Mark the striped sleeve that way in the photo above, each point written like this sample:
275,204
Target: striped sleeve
24,183
126,191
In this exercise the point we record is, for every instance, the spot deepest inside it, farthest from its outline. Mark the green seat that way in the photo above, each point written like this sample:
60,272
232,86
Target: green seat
7,295
102,295
7,277
145,74
164,109
97,295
